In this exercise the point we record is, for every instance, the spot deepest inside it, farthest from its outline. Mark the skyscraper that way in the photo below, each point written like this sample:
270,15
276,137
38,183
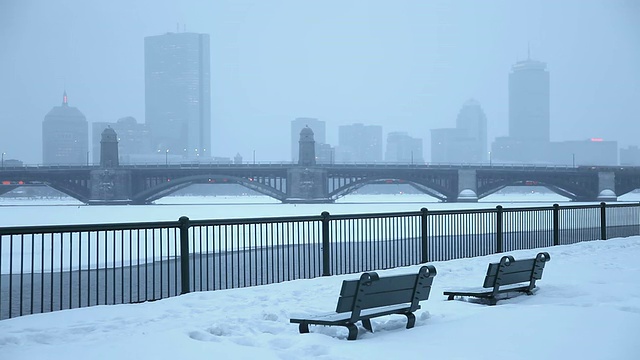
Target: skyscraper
178,93
360,143
529,102
402,148
467,142
317,126
473,121
65,136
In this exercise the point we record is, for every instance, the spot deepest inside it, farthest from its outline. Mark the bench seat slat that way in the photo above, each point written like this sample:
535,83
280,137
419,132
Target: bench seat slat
483,292
334,318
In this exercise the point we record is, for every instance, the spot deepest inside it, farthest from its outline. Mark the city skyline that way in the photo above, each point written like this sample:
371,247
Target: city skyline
405,66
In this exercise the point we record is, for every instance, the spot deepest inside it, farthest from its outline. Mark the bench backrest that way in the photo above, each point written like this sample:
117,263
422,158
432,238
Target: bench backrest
510,271
372,291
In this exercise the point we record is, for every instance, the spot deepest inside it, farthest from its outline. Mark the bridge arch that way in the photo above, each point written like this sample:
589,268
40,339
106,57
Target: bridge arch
172,185
434,190
573,191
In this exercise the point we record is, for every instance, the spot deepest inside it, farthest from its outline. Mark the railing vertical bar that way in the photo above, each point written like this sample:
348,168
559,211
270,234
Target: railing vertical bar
42,256
21,273
61,290
33,250
122,267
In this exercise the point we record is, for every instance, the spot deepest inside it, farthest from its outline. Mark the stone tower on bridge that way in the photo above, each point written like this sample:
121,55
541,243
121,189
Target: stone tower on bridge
109,183
307,147
307,183
109,149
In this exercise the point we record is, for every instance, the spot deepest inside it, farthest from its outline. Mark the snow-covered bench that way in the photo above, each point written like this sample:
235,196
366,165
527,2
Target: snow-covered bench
507,276
373,296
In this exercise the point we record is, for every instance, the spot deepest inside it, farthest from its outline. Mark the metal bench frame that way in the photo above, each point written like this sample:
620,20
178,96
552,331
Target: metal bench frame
372,296
504,277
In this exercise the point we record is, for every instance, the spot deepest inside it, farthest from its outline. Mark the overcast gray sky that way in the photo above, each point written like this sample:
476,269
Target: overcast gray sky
407,65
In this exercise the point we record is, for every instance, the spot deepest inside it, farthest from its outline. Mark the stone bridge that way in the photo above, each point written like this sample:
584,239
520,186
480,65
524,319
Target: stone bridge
137,184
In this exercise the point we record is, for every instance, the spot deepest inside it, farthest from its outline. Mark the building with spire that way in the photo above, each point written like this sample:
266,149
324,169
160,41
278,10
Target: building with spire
529,116
65,136
178,94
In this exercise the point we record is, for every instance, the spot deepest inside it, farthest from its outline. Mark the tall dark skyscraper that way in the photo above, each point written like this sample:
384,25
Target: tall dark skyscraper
178,93
529,102
65,136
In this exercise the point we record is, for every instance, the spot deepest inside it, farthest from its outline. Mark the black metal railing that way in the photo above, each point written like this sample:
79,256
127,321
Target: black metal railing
48,268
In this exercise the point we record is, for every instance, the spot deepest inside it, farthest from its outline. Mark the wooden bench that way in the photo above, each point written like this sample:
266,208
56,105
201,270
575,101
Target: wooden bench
508,276
373,296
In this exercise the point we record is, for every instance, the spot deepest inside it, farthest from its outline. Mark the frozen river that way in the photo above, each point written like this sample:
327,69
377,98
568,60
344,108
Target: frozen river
19,211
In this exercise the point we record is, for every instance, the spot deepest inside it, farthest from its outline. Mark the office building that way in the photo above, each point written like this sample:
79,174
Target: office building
630,156
452,146
467,142
134,141
359,143
473,121
319,131
402,148
177,93
65,136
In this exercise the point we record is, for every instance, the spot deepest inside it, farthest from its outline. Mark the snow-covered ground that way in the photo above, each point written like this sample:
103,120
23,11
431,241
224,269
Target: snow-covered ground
587,307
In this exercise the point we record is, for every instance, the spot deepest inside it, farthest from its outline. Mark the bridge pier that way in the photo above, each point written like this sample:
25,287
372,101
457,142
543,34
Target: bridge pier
307,185
607,186
467,186
110,186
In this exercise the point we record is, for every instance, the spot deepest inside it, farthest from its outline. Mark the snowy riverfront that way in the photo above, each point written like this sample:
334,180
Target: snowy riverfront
589,291
587,307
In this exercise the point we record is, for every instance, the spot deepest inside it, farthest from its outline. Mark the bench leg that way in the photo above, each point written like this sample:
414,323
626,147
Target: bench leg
304,328
411,320
450,297
353,331
367,324
493,301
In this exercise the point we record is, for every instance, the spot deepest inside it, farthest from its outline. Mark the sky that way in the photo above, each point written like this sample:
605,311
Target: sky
577,312
407,65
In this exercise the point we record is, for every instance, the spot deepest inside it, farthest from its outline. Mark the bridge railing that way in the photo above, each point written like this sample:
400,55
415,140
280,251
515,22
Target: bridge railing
49,268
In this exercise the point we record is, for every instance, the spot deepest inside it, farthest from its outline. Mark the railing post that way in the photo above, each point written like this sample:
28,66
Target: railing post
603,221
556,224
326,263
184,254
499,239
425,240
